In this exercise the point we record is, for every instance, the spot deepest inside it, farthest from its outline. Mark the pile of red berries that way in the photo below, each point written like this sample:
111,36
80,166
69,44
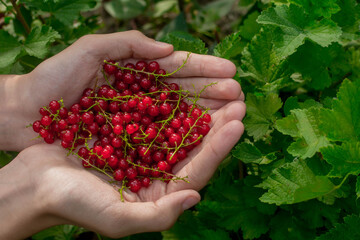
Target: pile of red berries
142,125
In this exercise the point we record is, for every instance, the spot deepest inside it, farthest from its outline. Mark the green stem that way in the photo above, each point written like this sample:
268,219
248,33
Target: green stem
7,7
98,236
20,17
148,73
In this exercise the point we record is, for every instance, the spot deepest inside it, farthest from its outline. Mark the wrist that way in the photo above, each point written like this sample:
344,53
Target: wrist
23,209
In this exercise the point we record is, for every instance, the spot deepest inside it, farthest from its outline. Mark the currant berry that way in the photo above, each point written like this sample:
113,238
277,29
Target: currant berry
46,120
175,139
131,173
153,66
134,185
119,174
165,109
110,69
118,129
36,126
54,106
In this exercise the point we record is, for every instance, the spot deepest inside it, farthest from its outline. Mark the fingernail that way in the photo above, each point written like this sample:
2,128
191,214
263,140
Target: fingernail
162,44
189,202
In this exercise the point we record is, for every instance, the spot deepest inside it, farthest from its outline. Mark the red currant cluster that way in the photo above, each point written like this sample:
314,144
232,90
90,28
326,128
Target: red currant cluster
143,125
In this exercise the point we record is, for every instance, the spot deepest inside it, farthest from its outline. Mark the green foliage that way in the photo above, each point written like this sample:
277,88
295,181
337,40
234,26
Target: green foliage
183,41
61,232
125,9
293,25
302,124
346,231
261,114
294,182
294,173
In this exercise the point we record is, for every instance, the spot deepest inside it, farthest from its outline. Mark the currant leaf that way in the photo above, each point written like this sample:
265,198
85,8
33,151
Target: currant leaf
342,122
261,114
319,8
294,182
38,41
348,230
230,47
294,25
262,65
183,41
303,125
64,11
10,49
345,159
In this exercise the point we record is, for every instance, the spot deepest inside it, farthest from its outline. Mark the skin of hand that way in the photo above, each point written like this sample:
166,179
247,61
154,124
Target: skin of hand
42,187
77,67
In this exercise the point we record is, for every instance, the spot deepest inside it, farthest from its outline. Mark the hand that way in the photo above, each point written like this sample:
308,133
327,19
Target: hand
68,73
42,188
64,192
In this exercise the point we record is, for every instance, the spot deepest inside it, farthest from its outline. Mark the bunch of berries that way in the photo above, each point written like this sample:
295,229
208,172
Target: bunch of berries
142,125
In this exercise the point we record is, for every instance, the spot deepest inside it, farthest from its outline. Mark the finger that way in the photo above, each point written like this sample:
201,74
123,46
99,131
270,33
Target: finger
198,65
213,104
222,88
234,110
242,96
230,112
147,216
203,166
121,45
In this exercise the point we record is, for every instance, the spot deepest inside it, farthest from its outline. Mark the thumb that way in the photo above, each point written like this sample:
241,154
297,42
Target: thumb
121,45
162,214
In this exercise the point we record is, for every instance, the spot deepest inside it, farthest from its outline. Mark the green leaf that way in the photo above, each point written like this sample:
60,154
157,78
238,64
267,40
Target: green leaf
218,8
261,114
285,226
342,123
250,26
357,189
65,11
262,65
349,230
290,104
345,159
188,226
303,124
178,24
349,16
6,157
247,153
10,49
294,182
38,41
315,71
234,216
294,26
318,8
316,214
163,7
61,232
125,9
231,211
230,47
183,41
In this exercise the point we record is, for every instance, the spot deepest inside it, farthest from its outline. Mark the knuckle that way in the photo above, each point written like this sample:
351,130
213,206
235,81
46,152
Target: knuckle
136,33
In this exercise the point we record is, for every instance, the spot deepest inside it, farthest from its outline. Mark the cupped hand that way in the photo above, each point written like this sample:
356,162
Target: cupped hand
68,73
63,192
